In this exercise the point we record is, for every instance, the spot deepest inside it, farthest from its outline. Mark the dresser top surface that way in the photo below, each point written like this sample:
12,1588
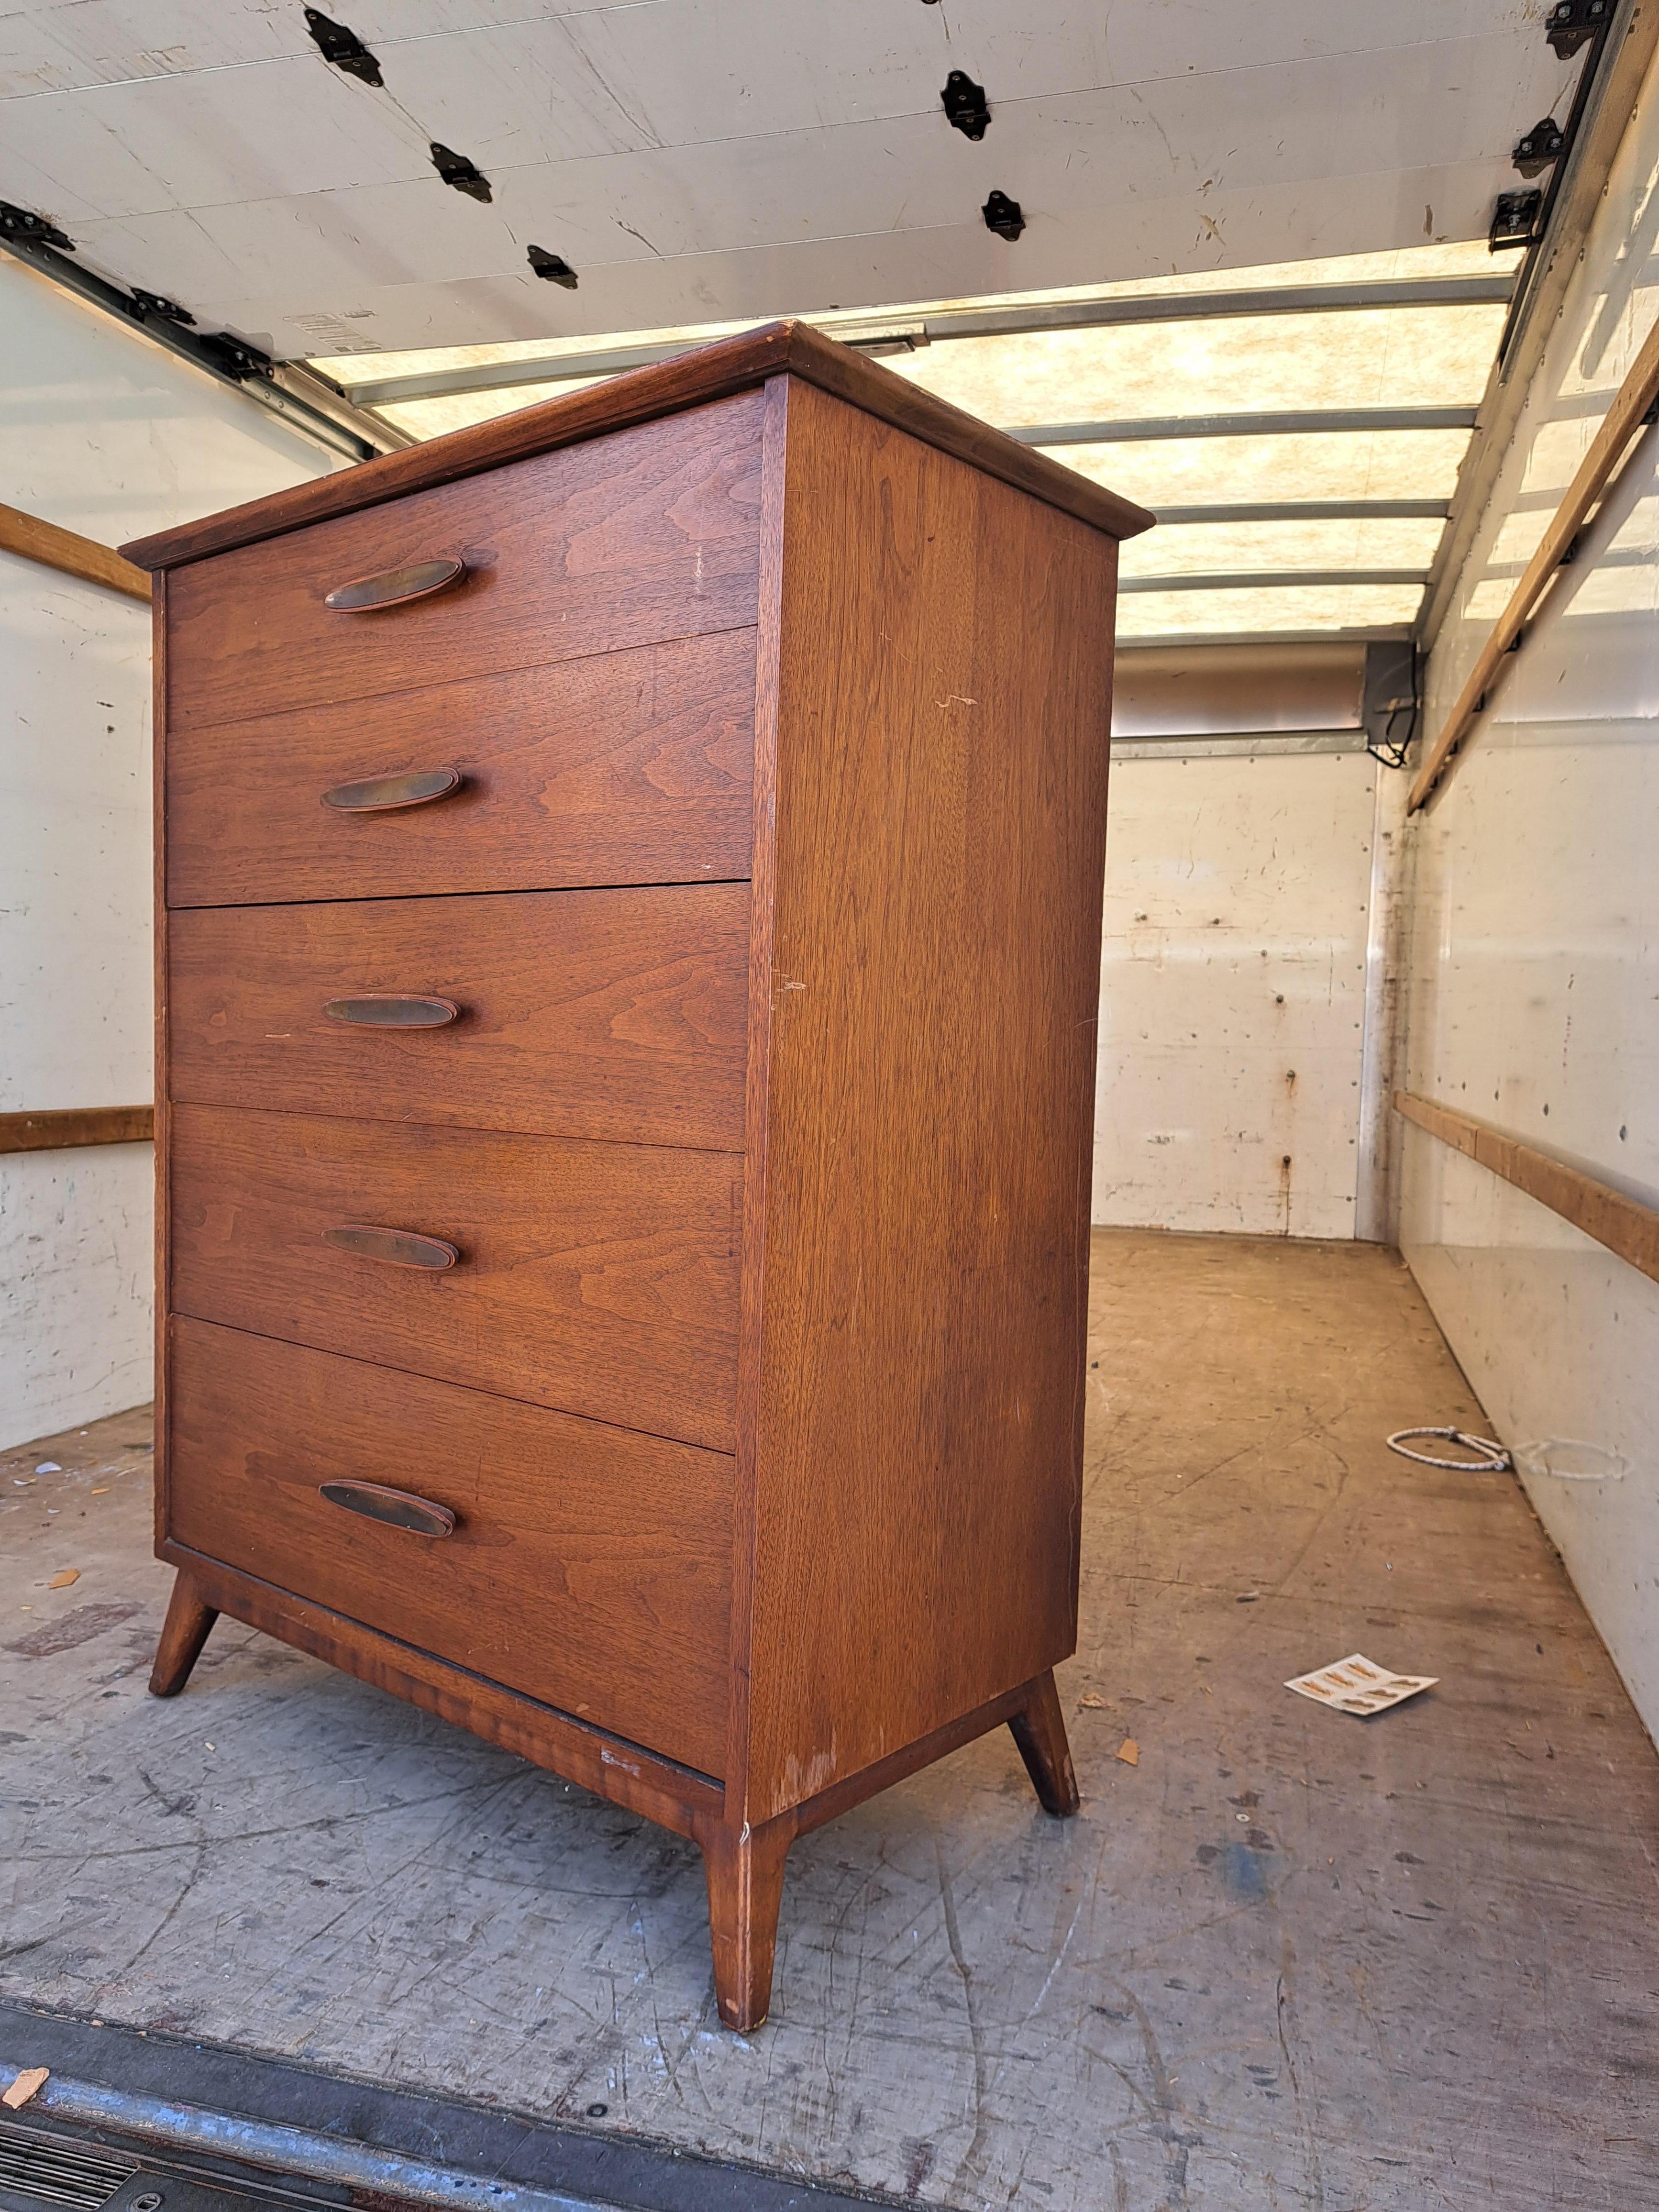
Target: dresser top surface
710,373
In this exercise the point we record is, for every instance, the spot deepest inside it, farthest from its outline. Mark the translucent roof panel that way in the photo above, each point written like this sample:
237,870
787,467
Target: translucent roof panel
1463,256
1466,257
1307,464
459,410
350,369
1321,610
1436,356
1313,361
1217,548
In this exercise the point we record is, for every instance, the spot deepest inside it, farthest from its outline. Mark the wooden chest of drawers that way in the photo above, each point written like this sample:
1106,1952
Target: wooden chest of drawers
627,946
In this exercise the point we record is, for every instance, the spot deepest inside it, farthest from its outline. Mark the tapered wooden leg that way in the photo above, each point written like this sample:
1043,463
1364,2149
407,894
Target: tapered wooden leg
745,1888
1039,1732
184,1632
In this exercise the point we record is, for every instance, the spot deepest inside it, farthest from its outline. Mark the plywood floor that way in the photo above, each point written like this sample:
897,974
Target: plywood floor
1289,1960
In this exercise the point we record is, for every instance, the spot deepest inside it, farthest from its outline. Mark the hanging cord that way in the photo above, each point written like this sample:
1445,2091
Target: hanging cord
1495,1459
1388,748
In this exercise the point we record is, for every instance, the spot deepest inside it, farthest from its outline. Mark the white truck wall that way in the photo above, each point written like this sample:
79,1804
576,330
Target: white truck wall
1233,993
109,435
1534,987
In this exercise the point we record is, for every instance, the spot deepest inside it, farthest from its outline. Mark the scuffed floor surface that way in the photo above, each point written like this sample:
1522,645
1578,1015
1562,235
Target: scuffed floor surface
1289,1960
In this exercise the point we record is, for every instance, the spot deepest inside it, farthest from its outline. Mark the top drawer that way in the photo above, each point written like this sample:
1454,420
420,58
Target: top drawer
648,534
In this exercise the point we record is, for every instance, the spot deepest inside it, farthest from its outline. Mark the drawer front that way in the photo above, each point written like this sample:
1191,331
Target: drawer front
601,1279
588,1567
617,1015
628,767
650,533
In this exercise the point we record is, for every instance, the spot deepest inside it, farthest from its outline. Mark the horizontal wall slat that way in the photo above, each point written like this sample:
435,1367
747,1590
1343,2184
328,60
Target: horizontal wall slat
66,551
1624,420
1624,1225
66,1128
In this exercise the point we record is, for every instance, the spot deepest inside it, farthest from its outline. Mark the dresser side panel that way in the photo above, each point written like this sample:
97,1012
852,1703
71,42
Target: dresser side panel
774,445
163,1080
944,718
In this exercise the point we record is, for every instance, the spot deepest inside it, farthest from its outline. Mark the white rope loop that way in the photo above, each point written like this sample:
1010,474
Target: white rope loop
1494,1459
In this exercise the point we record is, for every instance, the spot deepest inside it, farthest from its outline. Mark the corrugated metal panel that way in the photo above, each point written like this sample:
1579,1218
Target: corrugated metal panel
42,2169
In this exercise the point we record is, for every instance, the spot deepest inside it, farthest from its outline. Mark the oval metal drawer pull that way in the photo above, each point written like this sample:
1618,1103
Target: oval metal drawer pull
398,1247
398,1508
379,794
392,1010
396,587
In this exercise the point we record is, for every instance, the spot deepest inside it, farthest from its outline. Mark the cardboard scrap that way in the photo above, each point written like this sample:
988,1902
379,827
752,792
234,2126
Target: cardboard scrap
64,1576
1129,1752
31,2079
1359,1685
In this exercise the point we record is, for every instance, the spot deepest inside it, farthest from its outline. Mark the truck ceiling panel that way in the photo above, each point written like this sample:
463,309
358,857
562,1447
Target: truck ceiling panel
772,64
701,159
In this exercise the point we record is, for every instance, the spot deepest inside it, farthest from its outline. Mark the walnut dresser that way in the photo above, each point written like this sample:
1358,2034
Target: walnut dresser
629,938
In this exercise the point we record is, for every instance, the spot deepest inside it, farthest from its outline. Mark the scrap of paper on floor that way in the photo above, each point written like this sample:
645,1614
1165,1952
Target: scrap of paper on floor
1358,1685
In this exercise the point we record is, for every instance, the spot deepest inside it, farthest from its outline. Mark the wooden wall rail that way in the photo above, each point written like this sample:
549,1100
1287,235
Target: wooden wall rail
1624,1225
1631,402
66,549
73,1125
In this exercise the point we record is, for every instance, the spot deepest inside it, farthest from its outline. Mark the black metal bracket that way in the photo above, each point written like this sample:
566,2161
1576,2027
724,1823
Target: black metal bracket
1004,216
461,174
1573,23
964,104
1536,148
340,47
45,247
1515,219
553,266
1569,25
23,224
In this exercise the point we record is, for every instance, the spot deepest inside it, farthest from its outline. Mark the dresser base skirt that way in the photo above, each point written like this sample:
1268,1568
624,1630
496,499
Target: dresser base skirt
744,1865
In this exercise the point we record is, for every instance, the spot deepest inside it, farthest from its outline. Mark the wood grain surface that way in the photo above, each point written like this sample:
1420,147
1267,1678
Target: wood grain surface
588,1567
744,1865
780,724
162,1277
53,547
695,378
616,1015
598,1279
188,1625
944,705
1612,1217
651,535
620,767
66,1128
1275,1362
660,1790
